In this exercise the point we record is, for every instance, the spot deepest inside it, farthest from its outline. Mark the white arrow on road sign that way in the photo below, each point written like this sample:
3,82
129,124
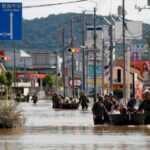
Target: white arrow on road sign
11,27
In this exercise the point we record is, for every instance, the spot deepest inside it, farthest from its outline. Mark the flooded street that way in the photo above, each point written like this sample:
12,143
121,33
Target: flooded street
52,129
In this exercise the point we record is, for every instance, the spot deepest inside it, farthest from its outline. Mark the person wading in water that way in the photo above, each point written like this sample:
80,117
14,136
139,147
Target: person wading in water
99,111
83,99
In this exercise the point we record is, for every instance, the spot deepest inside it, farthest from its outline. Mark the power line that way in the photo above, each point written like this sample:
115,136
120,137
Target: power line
45,5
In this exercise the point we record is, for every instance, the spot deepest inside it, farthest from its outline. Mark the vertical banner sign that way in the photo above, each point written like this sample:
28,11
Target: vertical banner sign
10,21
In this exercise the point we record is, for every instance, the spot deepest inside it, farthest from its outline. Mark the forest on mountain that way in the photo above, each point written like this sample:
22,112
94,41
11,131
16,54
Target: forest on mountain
46,33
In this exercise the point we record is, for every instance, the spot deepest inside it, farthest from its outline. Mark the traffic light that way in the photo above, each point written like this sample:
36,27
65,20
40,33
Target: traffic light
5,58
74,50
69,50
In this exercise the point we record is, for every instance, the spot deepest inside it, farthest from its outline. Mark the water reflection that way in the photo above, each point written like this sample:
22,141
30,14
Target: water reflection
48,129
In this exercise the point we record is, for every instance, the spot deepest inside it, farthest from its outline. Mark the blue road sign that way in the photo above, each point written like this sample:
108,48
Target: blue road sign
10,21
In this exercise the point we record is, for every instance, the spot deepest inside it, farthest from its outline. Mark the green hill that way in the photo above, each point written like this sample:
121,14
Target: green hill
44,33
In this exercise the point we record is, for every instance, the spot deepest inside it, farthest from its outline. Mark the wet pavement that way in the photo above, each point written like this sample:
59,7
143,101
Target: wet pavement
54,129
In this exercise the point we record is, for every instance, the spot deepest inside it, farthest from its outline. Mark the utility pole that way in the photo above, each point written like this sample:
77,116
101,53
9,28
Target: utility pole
124,51
133,82
71,45
56,72
111,52
95,49
87,69
14,66
63,67
103,67
111,56
83,50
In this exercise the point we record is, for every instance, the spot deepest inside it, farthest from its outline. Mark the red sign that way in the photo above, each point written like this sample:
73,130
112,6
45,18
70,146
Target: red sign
1,52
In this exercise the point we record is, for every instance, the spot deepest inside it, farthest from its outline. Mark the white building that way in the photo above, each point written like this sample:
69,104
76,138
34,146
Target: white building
102,37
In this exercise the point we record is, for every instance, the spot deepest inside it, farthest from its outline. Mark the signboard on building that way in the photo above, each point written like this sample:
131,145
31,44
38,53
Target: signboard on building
135,56
91,69
10,21
41,59
133,29
98,81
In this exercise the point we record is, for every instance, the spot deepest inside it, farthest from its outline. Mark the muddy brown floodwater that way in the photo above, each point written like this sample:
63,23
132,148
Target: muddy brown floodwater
52,129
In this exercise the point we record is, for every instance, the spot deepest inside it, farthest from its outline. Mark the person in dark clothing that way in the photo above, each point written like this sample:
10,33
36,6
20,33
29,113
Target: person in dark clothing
145,106
112,98
99,111
83,99
131,105
18,97
27,97
35,98
107,103
56,100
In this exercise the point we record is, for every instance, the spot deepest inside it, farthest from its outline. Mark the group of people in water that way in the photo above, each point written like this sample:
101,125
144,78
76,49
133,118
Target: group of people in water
108,105
22,98
104,105
59,100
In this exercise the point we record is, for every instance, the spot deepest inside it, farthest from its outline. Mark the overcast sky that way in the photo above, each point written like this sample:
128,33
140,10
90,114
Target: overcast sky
104,7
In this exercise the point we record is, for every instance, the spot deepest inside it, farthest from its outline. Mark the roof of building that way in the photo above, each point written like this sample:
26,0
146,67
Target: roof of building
23,54
140,65
144,65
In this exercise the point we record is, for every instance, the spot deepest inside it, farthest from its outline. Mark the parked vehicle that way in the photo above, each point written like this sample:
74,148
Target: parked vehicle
20,98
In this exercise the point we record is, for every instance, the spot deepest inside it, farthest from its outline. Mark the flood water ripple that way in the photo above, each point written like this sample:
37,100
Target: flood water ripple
53,129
